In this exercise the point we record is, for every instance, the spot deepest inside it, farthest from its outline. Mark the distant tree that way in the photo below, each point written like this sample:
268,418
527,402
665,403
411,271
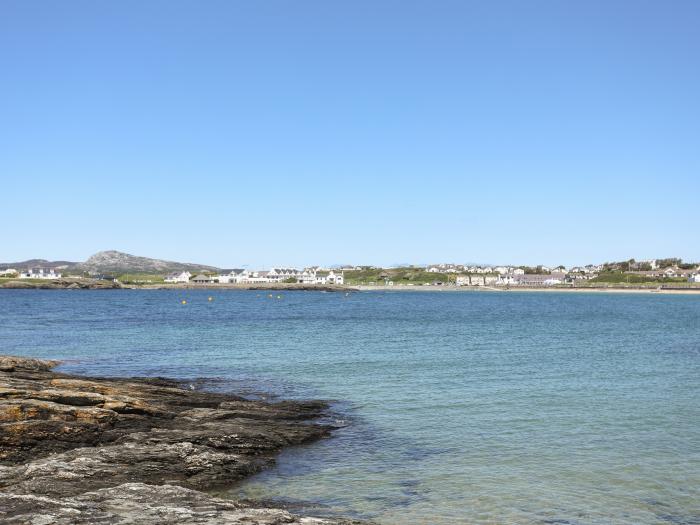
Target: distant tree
537,270
667,263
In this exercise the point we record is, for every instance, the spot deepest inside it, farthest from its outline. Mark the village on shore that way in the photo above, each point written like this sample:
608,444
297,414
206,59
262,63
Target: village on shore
672,271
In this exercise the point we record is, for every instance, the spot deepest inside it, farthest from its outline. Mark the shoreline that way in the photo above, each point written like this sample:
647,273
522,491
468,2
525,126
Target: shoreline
79,449
93,284
518,289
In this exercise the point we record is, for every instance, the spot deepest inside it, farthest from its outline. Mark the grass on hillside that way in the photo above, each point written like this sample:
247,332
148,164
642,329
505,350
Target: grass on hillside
141,278
30,281
627,278
415,276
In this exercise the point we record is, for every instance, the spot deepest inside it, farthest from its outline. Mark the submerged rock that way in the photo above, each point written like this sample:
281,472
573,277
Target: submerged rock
86,450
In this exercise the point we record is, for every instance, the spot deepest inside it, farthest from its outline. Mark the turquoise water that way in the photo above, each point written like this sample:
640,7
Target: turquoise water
458,407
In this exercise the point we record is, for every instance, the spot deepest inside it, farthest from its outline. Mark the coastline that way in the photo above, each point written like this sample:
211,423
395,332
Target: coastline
93,284
257,286
518,289
78,449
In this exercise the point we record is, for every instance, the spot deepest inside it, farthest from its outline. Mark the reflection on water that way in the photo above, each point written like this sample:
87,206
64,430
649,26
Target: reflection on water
453,408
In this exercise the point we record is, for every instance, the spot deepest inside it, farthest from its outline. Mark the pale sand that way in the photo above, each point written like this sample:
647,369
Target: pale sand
403,288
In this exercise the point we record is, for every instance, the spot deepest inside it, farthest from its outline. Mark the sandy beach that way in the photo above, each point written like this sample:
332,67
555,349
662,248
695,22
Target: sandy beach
526,289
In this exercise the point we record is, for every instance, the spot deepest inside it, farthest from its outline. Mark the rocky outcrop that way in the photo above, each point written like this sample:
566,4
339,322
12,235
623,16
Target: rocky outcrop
86,450
120,262
138,503
62,284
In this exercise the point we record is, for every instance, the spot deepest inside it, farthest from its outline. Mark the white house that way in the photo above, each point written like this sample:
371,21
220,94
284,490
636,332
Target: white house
551,281
695,278
255,277
8,272
282,274
178,277
491,279
518,271
235,275
335,277
506,279
462,280
539,279
40,273
330,277
307,277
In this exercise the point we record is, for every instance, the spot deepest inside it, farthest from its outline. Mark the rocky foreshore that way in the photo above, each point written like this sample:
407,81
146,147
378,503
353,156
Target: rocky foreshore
61,284
285,287
97,284
78,450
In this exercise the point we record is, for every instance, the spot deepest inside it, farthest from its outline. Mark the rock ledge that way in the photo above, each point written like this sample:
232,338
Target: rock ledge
121,451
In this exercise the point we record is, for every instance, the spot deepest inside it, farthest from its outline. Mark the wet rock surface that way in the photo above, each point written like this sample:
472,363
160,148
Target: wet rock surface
95,450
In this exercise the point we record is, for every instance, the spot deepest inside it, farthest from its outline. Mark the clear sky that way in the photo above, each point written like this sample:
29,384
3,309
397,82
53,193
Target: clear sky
375,132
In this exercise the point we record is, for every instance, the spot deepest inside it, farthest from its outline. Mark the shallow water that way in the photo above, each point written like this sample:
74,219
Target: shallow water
460,407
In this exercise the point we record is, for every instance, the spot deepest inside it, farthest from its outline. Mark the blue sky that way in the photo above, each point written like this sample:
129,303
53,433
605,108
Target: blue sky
378,132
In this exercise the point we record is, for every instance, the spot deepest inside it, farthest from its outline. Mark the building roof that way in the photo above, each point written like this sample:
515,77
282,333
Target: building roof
539,277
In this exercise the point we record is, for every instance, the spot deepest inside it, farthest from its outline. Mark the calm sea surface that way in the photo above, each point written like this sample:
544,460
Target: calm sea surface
460,407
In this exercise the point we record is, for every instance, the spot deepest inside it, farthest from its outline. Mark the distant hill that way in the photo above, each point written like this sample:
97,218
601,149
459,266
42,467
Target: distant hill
38,263
112,261
119,262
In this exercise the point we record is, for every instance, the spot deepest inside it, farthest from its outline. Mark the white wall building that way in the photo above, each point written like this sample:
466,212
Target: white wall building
335,277
178,277
233,276
551,281
506,279
282,274
255,277
462,280
307,277
40,273
330,277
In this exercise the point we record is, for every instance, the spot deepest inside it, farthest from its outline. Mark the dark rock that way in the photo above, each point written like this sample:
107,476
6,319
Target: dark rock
62,284
134,450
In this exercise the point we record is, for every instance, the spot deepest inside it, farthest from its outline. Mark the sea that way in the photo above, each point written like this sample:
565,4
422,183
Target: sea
450,407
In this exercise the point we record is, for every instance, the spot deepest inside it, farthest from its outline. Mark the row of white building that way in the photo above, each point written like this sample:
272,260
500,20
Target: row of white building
32,273
274,275
521,279
508,270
